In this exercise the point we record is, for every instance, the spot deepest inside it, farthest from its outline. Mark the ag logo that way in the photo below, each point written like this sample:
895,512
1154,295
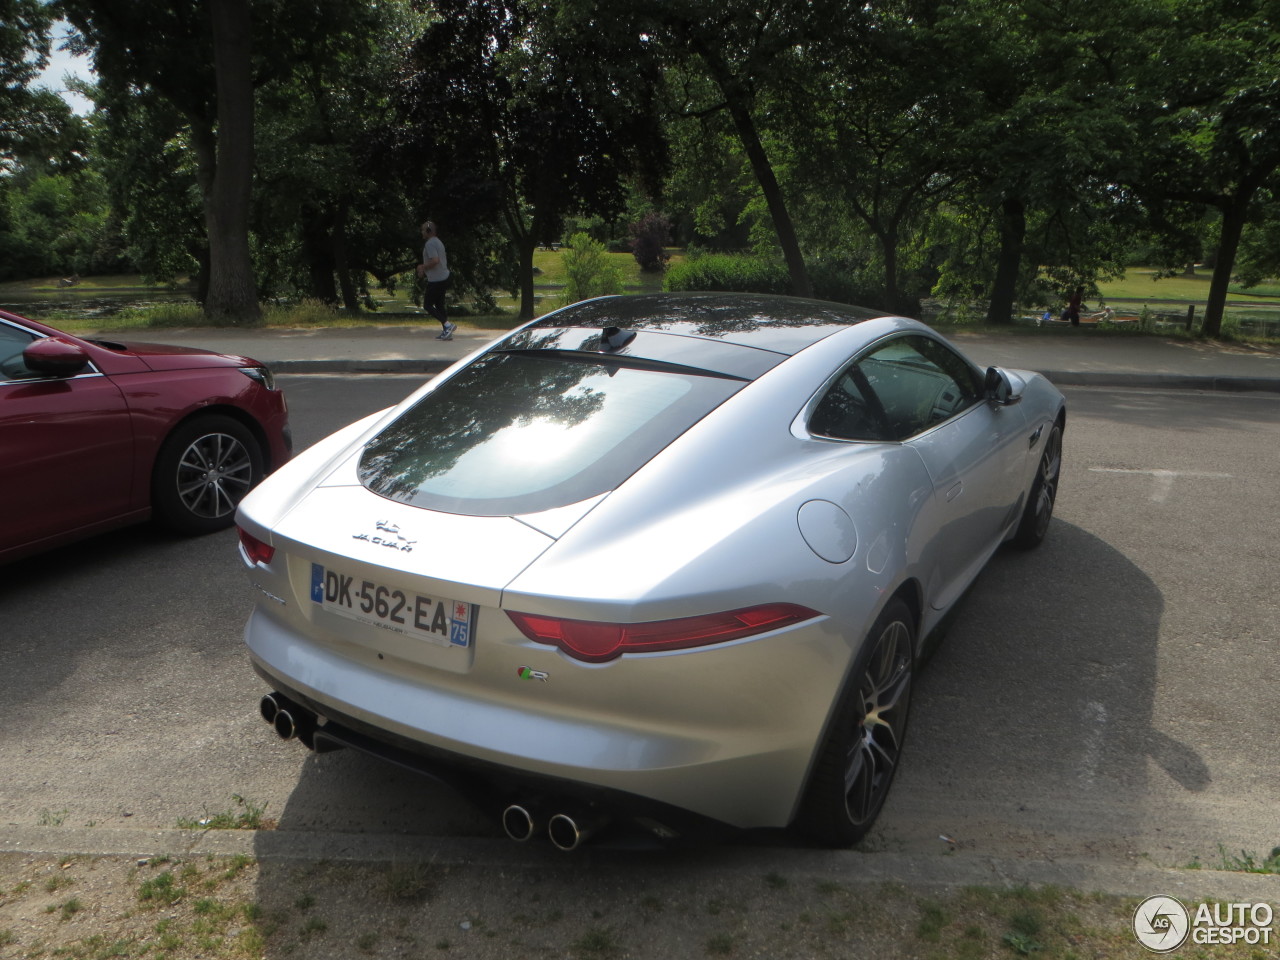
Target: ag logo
1161,924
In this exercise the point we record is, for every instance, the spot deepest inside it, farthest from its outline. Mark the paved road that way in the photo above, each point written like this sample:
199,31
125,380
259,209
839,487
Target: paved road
1110,696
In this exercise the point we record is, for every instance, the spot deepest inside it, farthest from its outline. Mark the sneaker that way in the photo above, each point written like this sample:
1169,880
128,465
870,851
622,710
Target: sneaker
449,327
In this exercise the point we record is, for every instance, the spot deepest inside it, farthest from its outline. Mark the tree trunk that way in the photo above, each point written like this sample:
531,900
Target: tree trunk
1233,219
525,245
350,297
317,254
201,256
782,225
1013,232
233,297
737,99
889,251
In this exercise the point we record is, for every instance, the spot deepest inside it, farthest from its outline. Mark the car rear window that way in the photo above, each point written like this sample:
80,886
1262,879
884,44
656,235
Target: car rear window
520,433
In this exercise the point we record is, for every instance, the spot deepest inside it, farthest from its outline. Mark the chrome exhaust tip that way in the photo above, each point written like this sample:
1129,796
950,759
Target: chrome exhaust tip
568,833
519,823
270,705
285,725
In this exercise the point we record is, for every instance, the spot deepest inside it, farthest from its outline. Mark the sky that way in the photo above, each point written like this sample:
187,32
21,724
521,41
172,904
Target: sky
60,64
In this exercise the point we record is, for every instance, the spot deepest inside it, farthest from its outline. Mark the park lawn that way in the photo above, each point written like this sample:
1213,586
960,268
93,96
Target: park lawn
551,269
1140,283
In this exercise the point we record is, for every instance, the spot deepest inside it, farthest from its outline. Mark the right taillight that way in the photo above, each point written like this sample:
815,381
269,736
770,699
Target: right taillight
596,642
255,550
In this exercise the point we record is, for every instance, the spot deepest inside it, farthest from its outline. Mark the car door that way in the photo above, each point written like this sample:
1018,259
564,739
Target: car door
926,396
66,448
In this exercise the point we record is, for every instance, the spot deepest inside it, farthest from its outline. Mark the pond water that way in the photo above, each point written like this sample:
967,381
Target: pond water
87,302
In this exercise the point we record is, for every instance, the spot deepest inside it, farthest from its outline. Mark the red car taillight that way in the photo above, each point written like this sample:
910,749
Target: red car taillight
255,549
596,642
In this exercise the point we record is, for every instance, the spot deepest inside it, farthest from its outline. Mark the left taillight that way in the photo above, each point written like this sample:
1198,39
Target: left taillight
254,550
597,642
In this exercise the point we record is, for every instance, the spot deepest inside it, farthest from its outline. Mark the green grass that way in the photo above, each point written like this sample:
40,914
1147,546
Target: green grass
1128,294
238,909
1141,283
1248,863
246,815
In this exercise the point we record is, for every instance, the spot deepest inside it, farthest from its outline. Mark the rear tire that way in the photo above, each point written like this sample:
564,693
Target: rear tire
1036,515
862,748
203,471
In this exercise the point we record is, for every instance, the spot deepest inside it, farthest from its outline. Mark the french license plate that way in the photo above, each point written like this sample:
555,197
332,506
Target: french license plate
434,619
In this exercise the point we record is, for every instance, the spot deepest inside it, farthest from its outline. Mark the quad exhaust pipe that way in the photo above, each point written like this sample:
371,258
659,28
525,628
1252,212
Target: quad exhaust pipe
288,719
566,831
569,831
520,821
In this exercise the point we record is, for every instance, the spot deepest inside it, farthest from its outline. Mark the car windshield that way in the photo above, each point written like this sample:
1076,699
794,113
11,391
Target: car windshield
521,433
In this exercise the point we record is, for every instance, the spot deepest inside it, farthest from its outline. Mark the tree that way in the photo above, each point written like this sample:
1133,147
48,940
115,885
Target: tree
1043,142
879,134
173,51
745,49
330,206
24,32
516,120
233,295
1213,136
199,59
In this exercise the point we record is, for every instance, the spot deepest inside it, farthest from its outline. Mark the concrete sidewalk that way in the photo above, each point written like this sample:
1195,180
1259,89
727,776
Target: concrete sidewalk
1067,357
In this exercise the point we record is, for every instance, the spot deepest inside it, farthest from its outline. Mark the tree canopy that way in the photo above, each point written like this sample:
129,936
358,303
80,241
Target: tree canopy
1000,153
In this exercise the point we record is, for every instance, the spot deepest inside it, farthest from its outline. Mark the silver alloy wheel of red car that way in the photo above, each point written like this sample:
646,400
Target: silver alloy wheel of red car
203,472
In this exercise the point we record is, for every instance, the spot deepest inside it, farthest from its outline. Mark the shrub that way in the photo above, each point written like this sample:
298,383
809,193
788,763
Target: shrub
738,273
836,280
648,241
843,281
588,271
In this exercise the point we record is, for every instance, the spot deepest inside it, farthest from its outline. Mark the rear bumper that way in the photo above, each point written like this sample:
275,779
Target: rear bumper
743,764
492,787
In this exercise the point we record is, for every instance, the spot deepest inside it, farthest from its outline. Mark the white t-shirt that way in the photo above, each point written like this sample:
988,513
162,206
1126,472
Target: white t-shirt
434,248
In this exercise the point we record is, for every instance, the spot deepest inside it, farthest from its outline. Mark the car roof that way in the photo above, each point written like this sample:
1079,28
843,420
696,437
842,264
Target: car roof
783,325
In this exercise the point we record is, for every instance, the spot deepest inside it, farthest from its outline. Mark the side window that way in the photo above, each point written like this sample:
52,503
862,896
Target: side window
919,382
850,411
12,342
896,391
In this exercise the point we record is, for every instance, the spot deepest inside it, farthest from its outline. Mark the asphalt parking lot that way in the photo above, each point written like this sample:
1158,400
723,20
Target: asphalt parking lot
1108,699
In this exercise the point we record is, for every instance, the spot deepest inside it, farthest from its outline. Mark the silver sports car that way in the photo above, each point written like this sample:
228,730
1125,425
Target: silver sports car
663,560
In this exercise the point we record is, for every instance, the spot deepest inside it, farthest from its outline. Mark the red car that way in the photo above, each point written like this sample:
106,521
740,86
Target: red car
96,434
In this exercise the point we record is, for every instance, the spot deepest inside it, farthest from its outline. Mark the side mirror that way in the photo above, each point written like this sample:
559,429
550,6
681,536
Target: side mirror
55,357
999,388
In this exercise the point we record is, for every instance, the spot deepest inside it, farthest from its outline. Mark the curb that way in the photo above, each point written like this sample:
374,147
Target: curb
1062,378
918,871
359,366
1163,381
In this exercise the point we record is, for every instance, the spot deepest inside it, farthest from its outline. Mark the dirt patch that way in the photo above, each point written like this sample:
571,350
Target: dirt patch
238,907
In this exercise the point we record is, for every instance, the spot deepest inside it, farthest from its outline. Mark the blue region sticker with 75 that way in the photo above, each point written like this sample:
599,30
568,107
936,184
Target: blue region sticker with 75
434,619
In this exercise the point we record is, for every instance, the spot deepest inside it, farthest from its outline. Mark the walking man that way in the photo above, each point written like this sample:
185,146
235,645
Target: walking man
435,267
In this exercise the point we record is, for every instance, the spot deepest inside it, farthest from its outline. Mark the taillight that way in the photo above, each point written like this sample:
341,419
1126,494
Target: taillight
596,642
255,550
